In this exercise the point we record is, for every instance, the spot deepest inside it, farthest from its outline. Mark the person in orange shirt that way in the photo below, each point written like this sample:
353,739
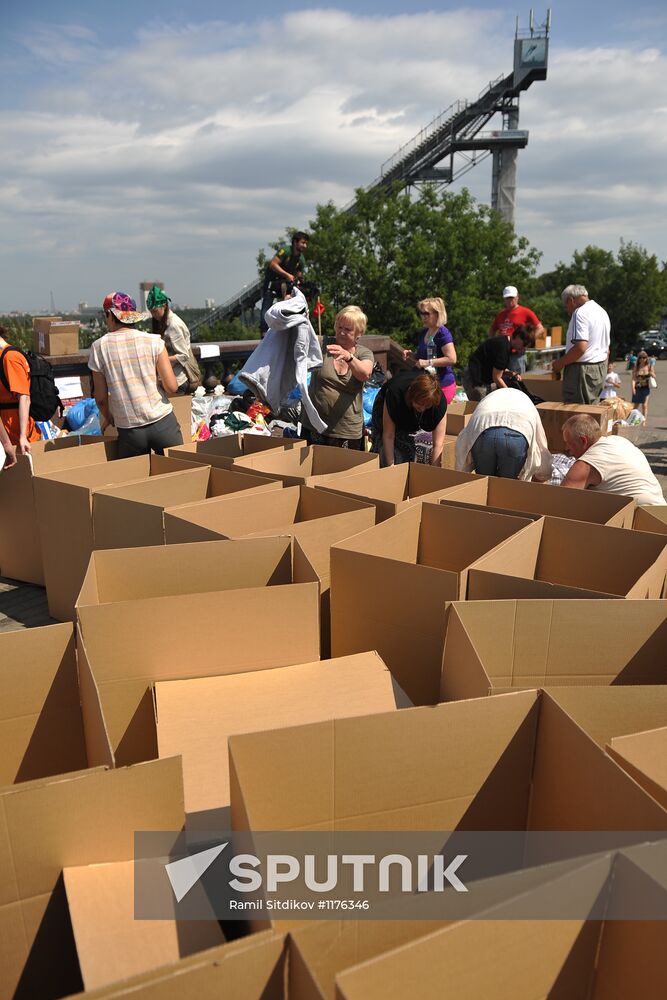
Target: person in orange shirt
15,400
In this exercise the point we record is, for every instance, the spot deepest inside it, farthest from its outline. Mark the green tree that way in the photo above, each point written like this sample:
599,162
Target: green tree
392,250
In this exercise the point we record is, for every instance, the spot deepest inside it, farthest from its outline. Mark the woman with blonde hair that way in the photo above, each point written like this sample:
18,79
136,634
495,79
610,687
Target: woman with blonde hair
435,346
642,373
337,388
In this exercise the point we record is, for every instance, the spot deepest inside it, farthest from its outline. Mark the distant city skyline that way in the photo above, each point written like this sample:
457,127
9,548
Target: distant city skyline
157,140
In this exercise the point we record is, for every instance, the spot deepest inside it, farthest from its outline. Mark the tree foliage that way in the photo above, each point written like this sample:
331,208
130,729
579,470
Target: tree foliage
390,252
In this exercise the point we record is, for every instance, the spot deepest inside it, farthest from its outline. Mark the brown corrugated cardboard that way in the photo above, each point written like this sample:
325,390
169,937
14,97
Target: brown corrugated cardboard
518,496
458,416
132,514
110,943
560,558
195,717
142,613
41,730
221,452
305,466
389,586
513,762
644,757
491,646
514,959
46,825
393,489
20,551
182,406
651,519
606,713
54,336
64,504
448,460
253,968
550,390
554,415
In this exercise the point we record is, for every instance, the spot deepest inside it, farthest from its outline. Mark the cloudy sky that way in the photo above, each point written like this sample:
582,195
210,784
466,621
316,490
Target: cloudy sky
172,141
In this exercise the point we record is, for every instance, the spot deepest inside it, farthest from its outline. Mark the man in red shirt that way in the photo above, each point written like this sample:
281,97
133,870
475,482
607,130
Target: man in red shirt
15,401
509,318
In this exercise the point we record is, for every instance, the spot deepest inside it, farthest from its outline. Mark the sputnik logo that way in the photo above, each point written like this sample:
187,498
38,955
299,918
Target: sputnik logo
186,872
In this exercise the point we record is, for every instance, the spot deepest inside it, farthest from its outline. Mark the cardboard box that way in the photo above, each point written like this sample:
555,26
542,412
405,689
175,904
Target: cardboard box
448,459
651,518
559,558
554,415
547,388
495,646
20,549
306,466
514,762
132,514
194,718
54,336
252,968
606,713
393,489
644,757
145,615
315,519
458,416
110,943
84,818
500,955
515,495
221,452
390,584
41,729
64,504
183,409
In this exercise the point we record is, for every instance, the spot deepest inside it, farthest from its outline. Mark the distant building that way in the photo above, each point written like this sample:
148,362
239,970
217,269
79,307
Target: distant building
209,303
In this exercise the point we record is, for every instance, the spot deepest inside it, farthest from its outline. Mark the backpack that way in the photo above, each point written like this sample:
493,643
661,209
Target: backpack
44,397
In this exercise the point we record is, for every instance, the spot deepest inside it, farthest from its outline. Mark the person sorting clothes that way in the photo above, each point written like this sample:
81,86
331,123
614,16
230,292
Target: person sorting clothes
505,437
488,364
410,402
174,332
337,388
126,364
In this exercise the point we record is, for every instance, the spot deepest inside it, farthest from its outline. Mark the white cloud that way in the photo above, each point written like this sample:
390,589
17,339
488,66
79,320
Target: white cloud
180,153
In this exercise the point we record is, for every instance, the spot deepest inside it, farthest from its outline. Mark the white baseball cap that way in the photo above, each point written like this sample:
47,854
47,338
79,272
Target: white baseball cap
510,292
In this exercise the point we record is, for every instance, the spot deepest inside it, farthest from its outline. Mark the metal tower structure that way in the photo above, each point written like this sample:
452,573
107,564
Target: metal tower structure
453,143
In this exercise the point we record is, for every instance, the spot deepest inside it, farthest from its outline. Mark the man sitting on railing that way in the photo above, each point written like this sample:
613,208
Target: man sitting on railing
283,272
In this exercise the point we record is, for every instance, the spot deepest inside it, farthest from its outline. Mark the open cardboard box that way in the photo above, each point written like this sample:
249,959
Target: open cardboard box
146,615
315,519
194,718
64,504
554,415
397,487
512,762
182,406
519,496
458,416
20,550
448,458
501,955
221,452
82,818
390,584
495,646
651,518
549,389
306,466
252,968
132,514
110,943
559,558
644,757
41,729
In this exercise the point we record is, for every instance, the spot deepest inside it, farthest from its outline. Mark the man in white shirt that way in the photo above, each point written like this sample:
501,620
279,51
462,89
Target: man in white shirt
584,363
504,437
608,464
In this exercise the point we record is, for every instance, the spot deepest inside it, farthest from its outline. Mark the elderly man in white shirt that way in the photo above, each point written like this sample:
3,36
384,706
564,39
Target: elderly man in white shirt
505,438
584,363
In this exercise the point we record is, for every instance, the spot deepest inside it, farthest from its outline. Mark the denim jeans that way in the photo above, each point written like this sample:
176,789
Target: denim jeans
499,451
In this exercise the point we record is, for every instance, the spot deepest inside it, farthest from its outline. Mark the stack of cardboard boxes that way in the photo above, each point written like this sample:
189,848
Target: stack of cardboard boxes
256,637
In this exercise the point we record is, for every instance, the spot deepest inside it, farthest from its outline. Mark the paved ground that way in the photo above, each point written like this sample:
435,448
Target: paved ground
24,606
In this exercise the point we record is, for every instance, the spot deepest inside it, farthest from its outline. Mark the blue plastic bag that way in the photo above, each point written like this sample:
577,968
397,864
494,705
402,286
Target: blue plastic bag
81,412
